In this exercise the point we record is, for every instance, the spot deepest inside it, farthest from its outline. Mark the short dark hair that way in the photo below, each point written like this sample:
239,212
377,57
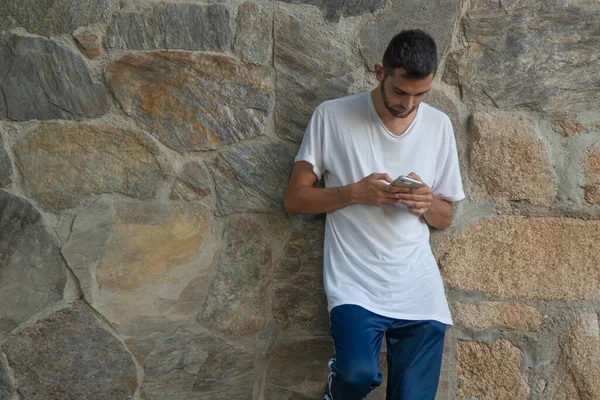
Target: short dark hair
412,50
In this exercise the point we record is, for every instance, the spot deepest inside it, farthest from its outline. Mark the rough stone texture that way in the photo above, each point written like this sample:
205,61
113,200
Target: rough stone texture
70,355
252,176
141,260
591,166
237,302
52,17
83,160
568,127
90,233
299,369
434,17
333,10
583,356
7,387
481,316
579,377
299,300
527,258
508,163
190,365
311,68
192,101
533,53
254,34
32,271
193,183
448,382
89,41
490,371
172,26
44,79
6,169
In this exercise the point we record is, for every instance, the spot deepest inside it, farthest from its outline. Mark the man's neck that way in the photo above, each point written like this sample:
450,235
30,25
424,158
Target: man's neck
393,124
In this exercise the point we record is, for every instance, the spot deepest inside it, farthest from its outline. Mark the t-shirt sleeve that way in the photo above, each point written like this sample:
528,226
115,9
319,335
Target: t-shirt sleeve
447,183
311,149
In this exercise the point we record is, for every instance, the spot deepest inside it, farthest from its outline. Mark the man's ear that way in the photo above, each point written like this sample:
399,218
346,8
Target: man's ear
379,72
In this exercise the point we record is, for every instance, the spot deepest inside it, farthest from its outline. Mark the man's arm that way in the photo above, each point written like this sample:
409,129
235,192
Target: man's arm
301,197
436,212
440,214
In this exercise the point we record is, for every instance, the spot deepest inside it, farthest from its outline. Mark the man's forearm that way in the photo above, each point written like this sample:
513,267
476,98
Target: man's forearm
439,214
312,200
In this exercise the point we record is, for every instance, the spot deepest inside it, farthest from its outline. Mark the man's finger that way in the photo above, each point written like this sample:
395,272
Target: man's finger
422,190
414,176
396,189
383,176
414,197
418,211
413,204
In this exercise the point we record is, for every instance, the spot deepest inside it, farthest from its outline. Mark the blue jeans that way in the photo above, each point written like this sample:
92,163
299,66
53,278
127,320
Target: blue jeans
414,355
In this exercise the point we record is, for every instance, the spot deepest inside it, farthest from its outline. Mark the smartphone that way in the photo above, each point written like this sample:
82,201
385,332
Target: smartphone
407,181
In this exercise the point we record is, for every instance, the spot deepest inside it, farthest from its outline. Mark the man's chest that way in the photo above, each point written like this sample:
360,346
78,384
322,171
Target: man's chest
351,154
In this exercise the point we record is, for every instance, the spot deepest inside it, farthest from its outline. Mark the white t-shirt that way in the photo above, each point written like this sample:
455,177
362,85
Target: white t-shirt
378,257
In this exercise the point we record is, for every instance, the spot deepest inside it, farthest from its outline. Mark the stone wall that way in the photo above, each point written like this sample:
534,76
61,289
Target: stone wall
144,150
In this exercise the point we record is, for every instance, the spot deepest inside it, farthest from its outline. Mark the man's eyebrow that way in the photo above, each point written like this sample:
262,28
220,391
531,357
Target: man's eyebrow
403,92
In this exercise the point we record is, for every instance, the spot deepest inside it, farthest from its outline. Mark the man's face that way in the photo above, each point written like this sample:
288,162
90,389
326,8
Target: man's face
402,96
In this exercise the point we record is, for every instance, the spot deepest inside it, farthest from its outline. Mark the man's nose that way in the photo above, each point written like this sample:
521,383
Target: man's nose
408,103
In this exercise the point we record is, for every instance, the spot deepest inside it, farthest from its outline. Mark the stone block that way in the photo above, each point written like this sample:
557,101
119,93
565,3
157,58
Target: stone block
567,126
81,160
254,36
299,300
172,26
52,18
70,355
44,79
548,259
333,10
526,54
252,177
6,169
190,365
591,167
237,301
490,371
191,101
89,41
481,316
142,260
508,163
582,356
194,183
299,369
311,67
32,270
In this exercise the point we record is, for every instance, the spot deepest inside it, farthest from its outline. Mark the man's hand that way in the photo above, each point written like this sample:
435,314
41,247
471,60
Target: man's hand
417,200
371,191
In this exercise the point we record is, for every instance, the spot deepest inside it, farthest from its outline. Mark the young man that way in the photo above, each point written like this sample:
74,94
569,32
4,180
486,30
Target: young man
379,272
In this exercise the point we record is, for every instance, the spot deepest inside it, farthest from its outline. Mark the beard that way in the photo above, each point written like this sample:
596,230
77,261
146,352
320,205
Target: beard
396,111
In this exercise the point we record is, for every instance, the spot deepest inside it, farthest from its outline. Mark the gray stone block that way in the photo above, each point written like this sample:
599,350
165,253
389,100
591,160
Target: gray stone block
76,356
333,10
44,79
172,26
252,177
55,17
32,271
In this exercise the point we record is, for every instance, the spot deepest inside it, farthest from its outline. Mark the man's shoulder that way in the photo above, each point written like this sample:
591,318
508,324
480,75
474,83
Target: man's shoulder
350,103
